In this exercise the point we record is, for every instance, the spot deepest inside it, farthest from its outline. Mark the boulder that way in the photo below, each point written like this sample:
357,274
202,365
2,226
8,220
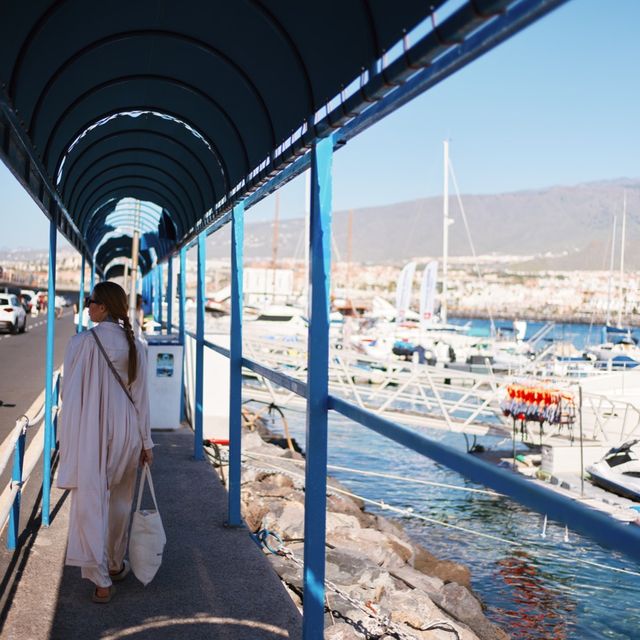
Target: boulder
343,504
289,572
285,518
459,603
417,611
389,526
253,512
417,580
269,482
343,564
383,549
358,577
446,570
342,631
332,483
251,441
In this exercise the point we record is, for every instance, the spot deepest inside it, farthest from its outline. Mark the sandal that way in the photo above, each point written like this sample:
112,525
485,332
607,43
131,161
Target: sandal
103,599
123,573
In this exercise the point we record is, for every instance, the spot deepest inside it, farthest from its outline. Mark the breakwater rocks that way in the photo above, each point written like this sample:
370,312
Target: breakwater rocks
396,588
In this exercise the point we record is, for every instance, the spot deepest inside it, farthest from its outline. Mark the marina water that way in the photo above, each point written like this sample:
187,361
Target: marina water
541,587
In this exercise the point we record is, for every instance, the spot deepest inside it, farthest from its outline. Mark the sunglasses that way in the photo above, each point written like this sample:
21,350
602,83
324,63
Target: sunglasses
88,301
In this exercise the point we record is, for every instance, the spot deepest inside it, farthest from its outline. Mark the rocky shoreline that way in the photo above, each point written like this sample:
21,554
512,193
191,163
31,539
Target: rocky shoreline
396,588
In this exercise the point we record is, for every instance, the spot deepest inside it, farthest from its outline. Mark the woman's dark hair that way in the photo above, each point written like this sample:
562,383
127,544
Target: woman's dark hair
114,298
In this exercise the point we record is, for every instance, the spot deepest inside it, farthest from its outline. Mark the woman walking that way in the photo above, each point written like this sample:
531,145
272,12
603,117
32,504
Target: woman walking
104,435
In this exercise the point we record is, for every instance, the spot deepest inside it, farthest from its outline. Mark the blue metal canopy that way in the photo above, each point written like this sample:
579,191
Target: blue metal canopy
192,106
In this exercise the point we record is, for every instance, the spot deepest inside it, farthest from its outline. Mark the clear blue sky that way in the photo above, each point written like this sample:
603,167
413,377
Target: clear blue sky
556,104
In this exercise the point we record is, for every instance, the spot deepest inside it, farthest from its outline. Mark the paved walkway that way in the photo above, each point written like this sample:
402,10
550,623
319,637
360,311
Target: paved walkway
214,581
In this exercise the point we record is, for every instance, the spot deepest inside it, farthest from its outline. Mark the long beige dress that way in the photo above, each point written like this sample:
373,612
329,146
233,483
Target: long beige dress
101,436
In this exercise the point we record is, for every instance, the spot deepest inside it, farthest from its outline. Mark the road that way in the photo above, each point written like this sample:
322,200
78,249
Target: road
22,367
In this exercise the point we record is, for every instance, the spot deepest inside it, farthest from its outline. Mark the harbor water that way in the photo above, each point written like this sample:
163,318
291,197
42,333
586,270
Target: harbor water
537,582
541,583
550,587
580,335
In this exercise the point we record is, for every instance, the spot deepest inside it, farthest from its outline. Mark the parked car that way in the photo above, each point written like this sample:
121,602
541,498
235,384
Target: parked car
13,317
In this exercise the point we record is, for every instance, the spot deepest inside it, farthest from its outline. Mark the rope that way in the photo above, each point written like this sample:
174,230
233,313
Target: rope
391,476
475,534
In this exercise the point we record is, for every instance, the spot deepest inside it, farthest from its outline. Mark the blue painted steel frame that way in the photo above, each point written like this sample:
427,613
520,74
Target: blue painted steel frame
235,365
160,275
182,320
16,477
153,286
578,516
92,283
198,450
81,296
170,295
48,402
315,499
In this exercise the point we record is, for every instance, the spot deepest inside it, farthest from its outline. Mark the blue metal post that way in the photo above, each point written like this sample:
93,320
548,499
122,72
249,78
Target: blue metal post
160,287
170,295
152,292
182,289
198,451
48,378
315,500
92,283
81,296
16,476
235,364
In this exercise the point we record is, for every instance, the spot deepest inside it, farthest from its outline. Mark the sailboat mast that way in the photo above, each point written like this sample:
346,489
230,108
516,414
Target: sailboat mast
445,233
611,263
622,243
307,236
349,246
274,247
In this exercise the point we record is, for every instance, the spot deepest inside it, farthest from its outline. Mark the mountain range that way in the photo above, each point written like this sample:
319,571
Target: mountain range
560,227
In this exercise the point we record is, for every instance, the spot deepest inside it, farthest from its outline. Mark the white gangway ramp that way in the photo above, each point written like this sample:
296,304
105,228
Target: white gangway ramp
448,399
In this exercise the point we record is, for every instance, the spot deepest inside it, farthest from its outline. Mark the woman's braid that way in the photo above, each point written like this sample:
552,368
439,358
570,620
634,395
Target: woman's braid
133,352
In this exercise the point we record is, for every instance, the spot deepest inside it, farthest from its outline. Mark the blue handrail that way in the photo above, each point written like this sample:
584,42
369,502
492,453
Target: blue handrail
19,474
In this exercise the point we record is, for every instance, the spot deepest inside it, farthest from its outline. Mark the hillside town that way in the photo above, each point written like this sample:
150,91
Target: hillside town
496,288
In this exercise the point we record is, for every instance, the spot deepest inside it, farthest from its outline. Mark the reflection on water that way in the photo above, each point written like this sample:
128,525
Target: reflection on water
535,609
538,590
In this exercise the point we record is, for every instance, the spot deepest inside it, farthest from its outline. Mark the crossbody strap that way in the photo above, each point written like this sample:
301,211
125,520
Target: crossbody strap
146,475
115,373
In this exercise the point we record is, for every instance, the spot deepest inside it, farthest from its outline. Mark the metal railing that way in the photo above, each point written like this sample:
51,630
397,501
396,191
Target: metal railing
24,462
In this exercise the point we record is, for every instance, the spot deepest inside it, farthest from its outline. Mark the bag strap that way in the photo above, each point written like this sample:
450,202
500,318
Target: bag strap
115,373
146,476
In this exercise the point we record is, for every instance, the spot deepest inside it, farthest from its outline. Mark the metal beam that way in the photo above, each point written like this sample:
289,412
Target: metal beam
160,275
198,451
182,320
48,378
592,523
235,366
315,500
80,326
170,295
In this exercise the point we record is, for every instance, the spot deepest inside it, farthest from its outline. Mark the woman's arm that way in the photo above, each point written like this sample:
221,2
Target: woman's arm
140,393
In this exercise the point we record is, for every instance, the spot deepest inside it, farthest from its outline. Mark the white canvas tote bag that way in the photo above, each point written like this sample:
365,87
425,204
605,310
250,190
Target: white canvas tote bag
147,539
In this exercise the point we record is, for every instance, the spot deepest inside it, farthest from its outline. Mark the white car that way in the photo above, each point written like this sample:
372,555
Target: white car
13,317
